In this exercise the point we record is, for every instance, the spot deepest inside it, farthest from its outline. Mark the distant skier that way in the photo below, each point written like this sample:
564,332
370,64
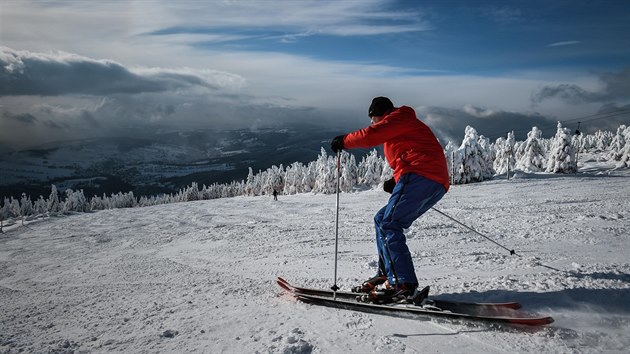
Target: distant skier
420,181
275,195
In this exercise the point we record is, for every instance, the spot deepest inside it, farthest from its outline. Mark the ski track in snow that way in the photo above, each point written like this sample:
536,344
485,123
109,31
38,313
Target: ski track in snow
200,276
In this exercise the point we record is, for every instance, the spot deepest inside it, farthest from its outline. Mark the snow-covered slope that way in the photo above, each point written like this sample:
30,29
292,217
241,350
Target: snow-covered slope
199,276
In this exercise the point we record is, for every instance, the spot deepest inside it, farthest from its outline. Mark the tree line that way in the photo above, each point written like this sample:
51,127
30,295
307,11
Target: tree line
474,160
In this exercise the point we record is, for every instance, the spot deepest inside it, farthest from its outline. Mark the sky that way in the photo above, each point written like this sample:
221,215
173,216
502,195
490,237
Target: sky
84,69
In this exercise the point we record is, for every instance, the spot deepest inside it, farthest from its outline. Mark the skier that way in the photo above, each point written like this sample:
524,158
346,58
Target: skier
420,181
275,195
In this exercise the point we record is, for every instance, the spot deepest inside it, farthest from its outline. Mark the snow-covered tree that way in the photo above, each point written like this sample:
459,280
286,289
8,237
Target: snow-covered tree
5,212
293,178
190,193
14,207
308,182
250,188
602,140
273,180
370,169
449,152
386,174
40,207
349,173
98,203
123,200
504,154
618,144
532,153
75,201
487,157
53,201
624,160
562,154
26,207
471,159
326,179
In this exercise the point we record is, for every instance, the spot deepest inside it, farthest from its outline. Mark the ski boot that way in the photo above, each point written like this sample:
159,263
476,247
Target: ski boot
370,284
404,293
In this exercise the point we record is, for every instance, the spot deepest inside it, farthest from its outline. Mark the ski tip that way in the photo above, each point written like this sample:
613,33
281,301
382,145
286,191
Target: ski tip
542,321
283,285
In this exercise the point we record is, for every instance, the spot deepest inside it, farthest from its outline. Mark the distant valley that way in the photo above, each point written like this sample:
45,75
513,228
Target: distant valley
161,164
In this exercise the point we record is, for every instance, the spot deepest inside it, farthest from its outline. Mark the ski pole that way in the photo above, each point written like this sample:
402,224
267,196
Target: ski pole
480,234
512,252
335,287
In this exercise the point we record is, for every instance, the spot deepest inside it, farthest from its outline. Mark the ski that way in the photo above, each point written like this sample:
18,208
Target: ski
475,312
443,304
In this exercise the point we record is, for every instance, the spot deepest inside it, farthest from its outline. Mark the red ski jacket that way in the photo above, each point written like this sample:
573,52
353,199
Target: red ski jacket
409,145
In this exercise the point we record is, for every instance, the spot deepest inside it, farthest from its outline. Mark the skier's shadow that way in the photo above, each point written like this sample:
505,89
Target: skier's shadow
602,308
602,301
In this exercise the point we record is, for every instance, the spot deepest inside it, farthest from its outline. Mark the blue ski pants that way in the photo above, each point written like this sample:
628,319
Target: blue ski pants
412,197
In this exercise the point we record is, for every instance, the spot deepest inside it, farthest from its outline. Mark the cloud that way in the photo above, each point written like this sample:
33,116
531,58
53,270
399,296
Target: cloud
503,14
340,18
450,123
562,44
615,86
570,93
23,118
52,74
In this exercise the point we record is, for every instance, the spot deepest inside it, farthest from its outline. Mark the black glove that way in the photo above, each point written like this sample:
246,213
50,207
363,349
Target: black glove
388,186
337,143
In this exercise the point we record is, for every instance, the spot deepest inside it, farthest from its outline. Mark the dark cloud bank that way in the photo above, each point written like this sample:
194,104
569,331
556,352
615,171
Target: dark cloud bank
55,96
34,74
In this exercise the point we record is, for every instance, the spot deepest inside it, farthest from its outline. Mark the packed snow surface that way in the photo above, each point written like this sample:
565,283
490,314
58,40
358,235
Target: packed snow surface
200,276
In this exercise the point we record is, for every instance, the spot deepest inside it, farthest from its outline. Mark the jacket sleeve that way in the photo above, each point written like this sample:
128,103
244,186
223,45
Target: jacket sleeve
375,134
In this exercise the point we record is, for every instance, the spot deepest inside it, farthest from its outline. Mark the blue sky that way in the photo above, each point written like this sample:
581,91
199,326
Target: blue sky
85,69
494,37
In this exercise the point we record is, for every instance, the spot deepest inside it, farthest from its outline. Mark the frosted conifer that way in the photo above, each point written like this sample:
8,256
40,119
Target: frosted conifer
618,144
471,159
562,154
532,154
